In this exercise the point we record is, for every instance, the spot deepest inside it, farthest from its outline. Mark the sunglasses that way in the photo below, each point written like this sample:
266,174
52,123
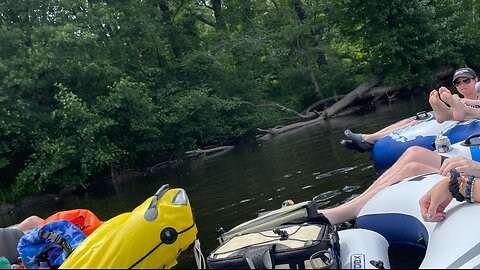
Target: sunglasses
465,81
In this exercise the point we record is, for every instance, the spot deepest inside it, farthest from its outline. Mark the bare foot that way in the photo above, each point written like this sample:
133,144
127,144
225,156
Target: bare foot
458,108
442,112
443,89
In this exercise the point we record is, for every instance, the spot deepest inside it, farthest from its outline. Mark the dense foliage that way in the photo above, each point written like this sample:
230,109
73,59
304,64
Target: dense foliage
87,86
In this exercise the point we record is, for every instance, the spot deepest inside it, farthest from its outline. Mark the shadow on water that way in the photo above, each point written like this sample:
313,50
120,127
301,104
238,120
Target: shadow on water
233,188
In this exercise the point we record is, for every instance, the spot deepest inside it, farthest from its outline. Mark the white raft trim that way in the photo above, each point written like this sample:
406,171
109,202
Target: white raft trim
452,243
358,247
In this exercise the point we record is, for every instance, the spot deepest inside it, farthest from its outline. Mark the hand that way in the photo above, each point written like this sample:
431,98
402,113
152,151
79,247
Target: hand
434,202
467,102
464,165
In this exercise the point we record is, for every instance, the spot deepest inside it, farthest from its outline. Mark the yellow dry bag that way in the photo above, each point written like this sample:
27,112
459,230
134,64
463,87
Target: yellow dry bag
151,236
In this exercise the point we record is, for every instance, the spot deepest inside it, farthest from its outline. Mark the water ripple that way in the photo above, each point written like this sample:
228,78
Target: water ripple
323,175
349,189
326,195
331,173
307,187
368,167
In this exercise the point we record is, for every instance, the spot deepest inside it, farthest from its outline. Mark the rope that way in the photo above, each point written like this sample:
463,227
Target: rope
199,258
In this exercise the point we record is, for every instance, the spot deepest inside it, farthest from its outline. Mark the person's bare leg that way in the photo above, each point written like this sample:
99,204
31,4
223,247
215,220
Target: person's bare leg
461,112
29,223
442,112
415,161
372,138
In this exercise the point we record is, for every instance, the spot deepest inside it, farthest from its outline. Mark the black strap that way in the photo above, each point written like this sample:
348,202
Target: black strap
56,239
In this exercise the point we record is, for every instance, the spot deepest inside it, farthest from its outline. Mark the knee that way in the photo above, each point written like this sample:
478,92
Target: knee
413,153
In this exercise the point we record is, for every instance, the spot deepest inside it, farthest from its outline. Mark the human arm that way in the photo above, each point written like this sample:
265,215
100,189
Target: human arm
470,102
434,202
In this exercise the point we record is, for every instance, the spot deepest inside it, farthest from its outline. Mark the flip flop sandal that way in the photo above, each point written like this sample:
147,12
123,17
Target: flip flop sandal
351,145
358,140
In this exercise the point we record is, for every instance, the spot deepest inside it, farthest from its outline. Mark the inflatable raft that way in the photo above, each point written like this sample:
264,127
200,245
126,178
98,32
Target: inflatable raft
394,213
151,236
389,233
389,148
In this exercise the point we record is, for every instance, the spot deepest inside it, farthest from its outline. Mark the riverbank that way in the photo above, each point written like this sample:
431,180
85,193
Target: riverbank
361,106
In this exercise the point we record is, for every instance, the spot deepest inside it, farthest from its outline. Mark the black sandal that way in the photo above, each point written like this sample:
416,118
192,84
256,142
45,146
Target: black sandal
358,140
351,145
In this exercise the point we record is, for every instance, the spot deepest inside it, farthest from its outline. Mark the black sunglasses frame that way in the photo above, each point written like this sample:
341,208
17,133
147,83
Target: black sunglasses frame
459,81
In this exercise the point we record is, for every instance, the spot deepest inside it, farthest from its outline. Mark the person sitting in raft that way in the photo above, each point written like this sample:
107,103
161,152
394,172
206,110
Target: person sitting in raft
414,161
10,236
434,202
464,80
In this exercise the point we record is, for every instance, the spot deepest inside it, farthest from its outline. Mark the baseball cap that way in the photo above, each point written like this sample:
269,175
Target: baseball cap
464,72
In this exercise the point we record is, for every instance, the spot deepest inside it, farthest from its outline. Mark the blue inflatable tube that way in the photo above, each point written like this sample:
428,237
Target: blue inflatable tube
388,149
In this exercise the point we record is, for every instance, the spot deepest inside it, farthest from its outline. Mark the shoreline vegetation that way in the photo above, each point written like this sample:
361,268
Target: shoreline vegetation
372,97
105,90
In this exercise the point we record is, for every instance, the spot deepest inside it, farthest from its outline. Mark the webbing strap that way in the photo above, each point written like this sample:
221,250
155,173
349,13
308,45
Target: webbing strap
56,239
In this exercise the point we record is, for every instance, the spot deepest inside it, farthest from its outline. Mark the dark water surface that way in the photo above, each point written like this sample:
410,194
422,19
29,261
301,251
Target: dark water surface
230,189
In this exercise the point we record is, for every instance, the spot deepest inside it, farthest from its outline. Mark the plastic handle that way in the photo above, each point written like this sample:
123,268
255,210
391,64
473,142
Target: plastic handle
468,142
152,213
422,115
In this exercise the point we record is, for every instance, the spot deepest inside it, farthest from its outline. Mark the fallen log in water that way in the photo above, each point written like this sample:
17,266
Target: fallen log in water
209,152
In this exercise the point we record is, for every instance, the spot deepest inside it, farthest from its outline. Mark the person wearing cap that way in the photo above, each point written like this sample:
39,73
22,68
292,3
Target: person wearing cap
464,80
451,107
417,160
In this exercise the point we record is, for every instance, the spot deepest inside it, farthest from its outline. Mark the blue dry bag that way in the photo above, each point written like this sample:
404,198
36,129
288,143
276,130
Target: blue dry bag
50,243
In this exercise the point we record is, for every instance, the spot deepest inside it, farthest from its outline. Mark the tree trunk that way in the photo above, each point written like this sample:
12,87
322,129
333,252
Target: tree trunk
297,4
167,18
300,11
207,152
217,11
383,90
350,97
313,78
277,7
320,102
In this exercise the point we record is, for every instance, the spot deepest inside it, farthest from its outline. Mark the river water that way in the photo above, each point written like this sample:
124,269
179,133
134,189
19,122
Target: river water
230,189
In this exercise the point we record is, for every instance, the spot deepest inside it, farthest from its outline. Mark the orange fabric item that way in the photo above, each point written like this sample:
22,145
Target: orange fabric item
84,219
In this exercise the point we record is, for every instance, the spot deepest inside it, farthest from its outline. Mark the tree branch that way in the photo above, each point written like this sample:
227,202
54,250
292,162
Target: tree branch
283,108
205,20
177,10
